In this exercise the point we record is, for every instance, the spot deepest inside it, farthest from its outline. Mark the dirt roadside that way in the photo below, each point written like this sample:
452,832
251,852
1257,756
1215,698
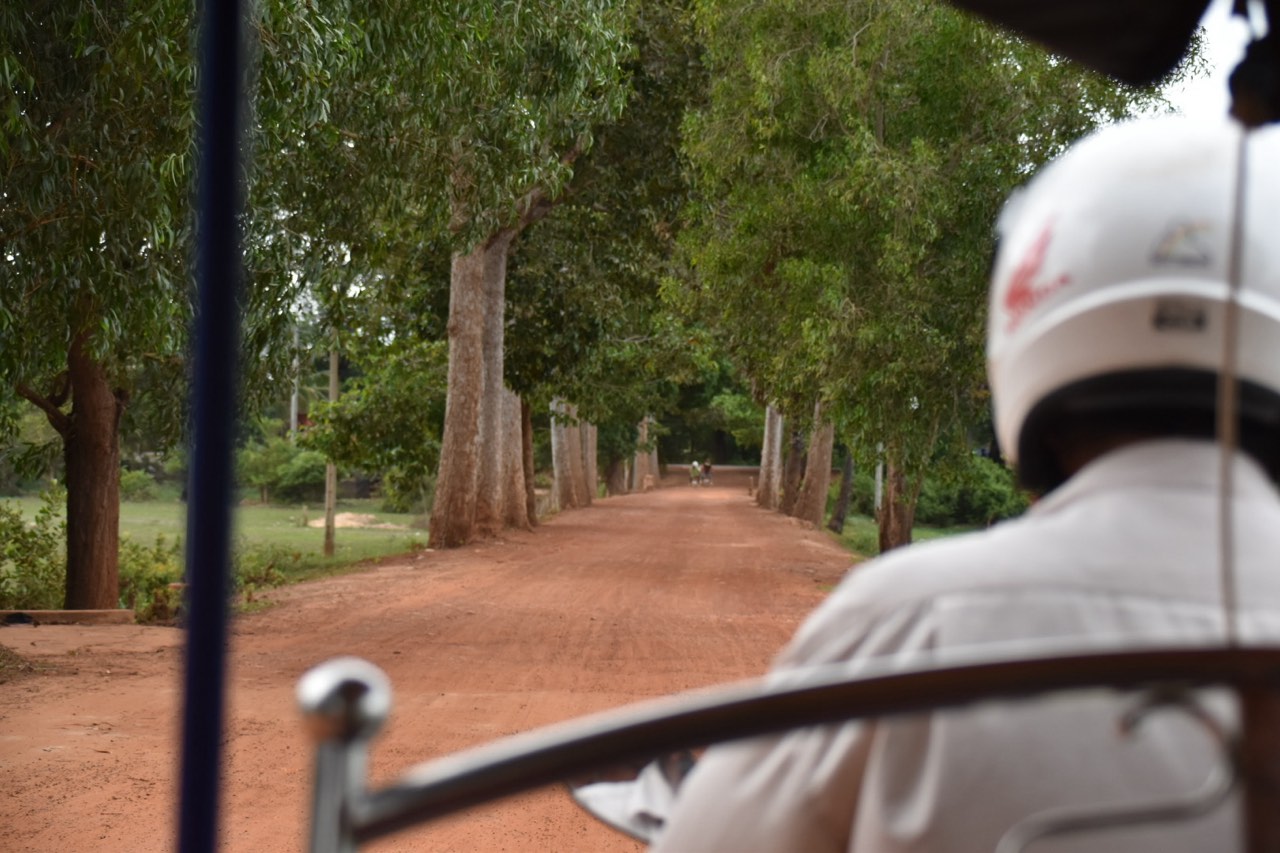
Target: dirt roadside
634,597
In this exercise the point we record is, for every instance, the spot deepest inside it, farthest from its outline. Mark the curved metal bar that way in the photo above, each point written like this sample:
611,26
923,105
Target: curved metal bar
1211,794
827,695
344,702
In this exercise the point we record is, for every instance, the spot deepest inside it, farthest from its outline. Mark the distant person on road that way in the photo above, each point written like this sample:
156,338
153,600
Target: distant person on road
1105,348
706,473
695,473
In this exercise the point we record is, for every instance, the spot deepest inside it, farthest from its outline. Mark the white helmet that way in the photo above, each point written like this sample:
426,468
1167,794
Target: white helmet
1111,278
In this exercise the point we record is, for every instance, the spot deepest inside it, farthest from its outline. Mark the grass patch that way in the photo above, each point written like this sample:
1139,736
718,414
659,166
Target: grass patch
862,536
299,548
274,545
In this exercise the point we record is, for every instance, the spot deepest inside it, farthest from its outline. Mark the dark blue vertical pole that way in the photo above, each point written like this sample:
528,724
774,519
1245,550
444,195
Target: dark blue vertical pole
218,275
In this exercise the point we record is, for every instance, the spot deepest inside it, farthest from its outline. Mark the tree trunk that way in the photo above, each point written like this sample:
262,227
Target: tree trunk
526,454
573,447
770,460
590,473
792,472
811,505
897,513
561,458
615,476
516,513
840,512
762,495
91,444
453,512
491,511
640,464
331,470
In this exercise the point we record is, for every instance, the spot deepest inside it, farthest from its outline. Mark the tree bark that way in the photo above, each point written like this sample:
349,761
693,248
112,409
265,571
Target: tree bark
516,513
491,510
91,446
330,469
792,473
811,505
615,476
840,512
564,487
898,512
453,511
590,472
574,448
526,454
640,464
770,460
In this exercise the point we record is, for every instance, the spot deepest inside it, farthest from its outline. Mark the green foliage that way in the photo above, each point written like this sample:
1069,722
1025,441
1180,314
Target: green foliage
585,320
850,162
301,478
150,578
979,494
136,486
976,493
260,464
259,567
281,470
389,419
740,416
33,555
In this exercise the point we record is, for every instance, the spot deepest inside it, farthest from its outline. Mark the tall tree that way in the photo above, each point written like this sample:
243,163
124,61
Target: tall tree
96,166
513,97
586,321
851,160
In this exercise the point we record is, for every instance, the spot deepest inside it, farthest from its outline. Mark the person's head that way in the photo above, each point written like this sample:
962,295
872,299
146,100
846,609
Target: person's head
1108,295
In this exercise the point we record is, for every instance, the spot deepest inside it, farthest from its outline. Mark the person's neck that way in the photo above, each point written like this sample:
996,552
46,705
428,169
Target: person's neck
1074,455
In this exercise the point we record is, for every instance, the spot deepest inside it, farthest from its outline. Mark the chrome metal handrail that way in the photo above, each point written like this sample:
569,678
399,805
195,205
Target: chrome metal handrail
827,695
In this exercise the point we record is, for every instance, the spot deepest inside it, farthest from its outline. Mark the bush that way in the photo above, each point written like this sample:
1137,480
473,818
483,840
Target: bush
404,494
980,494
983,493
281,471
150,579
137,486
261,567
33,557
301,478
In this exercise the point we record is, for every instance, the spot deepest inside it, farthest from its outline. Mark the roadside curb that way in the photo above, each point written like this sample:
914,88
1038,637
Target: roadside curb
66,617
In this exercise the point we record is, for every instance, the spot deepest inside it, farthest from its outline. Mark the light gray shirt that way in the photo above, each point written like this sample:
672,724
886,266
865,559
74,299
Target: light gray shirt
1125,554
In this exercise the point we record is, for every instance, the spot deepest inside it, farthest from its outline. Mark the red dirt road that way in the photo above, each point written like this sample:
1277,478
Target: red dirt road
631,598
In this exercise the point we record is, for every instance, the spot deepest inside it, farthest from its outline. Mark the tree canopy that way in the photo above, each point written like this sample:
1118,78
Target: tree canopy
850,161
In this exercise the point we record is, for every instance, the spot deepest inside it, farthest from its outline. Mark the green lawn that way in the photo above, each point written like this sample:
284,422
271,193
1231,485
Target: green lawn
279,529
861,536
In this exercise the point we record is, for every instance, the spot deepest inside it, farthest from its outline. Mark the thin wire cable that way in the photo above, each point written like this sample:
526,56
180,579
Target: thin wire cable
1228,418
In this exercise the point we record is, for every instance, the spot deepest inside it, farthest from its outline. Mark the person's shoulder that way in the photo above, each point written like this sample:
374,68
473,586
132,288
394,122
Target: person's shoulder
923,572
882,603
924,569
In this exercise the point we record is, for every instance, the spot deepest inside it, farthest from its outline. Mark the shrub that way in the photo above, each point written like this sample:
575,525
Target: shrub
33,557
137,486
404,494
982,493
150,579
301,478
261,567
282,471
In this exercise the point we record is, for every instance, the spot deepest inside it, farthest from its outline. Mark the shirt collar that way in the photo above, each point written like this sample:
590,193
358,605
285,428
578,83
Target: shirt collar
1174,464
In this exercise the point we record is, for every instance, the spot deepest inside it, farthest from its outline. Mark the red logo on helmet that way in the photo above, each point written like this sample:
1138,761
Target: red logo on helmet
1024,293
